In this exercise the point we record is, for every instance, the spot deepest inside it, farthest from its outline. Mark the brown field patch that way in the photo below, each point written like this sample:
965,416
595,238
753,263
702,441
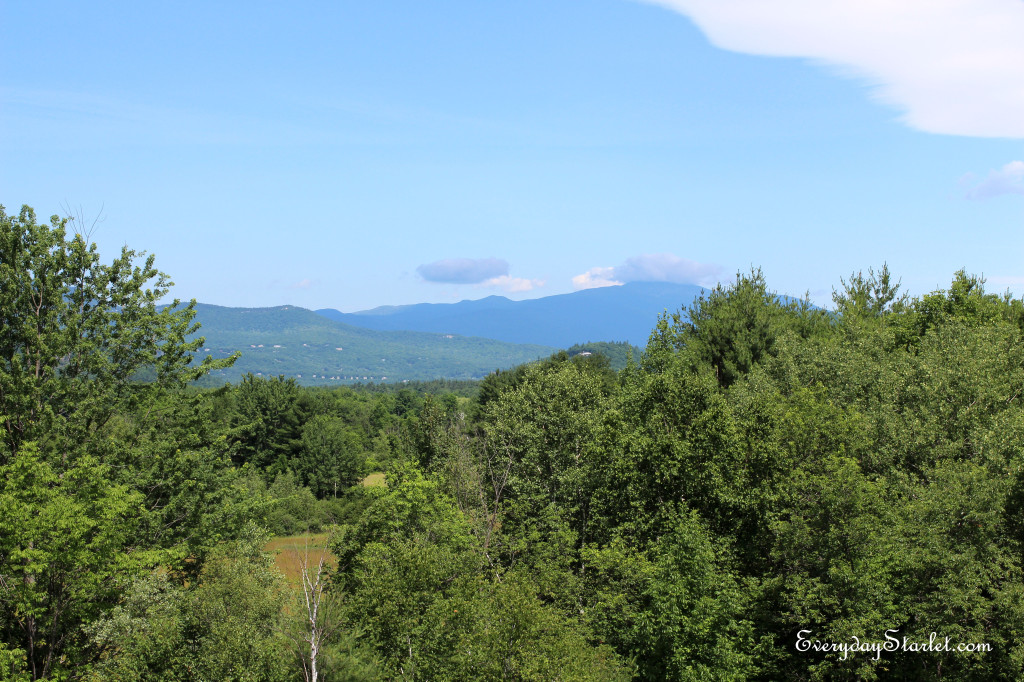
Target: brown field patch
289,552
374,479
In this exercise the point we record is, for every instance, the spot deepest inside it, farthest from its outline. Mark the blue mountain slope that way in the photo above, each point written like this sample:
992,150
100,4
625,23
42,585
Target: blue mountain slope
621,313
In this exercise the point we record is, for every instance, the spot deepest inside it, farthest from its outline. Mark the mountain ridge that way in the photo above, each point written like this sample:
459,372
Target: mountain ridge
627,312
295,342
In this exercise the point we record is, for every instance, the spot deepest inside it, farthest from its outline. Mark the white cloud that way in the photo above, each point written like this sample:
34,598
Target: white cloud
491,273
463,270
304,284
952,66
666,267
513,284
1007,180
649,267
594,278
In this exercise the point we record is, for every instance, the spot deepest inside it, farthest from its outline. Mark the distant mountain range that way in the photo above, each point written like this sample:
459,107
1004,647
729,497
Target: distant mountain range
465,340
298,343
618,313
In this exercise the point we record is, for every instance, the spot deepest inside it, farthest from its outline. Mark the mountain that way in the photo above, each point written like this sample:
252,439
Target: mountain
619,313
299,343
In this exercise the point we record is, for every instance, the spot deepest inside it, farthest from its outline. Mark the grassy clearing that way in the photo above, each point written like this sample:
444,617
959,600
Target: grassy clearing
290,550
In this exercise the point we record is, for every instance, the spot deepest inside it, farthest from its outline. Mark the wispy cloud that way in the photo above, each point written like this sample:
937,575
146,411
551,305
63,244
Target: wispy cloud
513,284
1007,180
463,270
952,66
665,267
85,120
595,278
304,284
649,267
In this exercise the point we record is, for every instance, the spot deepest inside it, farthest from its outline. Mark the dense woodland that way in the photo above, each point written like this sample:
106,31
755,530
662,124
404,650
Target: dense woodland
762,468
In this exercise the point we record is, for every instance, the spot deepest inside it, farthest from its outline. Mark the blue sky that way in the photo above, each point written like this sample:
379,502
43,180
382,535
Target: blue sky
349,155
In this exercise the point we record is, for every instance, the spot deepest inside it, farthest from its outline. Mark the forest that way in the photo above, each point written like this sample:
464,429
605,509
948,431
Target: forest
768,490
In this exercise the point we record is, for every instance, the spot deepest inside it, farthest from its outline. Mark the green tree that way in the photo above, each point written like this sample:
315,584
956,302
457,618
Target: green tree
421,592
733,328
228,625
268,422
61,538
83,345
870,296
332,456
77,335
541,449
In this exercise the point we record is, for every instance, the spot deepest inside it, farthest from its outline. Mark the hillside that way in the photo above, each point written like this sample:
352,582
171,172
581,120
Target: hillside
619,313
299,343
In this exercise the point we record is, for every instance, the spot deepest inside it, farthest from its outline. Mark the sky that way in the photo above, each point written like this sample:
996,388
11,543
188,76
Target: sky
354,154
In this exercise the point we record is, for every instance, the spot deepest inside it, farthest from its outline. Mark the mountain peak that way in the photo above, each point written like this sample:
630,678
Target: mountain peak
621,313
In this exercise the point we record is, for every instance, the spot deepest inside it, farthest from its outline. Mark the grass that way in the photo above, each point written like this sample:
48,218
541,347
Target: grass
290,550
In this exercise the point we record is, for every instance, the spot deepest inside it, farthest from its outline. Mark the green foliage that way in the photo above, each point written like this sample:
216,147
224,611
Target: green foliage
463,388
676,441
764,469
332,456
227,626
13,663
617,353
699,628
418,590
769,468
62,535
540,436
732,329
293,507
868,297
268,422
677,608
93,492
175,455
597,363
76,334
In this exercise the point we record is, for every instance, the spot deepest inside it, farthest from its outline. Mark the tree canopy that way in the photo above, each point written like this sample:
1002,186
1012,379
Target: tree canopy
764,473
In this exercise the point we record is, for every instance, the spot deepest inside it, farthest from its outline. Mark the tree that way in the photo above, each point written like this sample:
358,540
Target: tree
332,456
870,296
81,342
268,423
733,328
76,335
227,625
61,536
425,600
319,621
